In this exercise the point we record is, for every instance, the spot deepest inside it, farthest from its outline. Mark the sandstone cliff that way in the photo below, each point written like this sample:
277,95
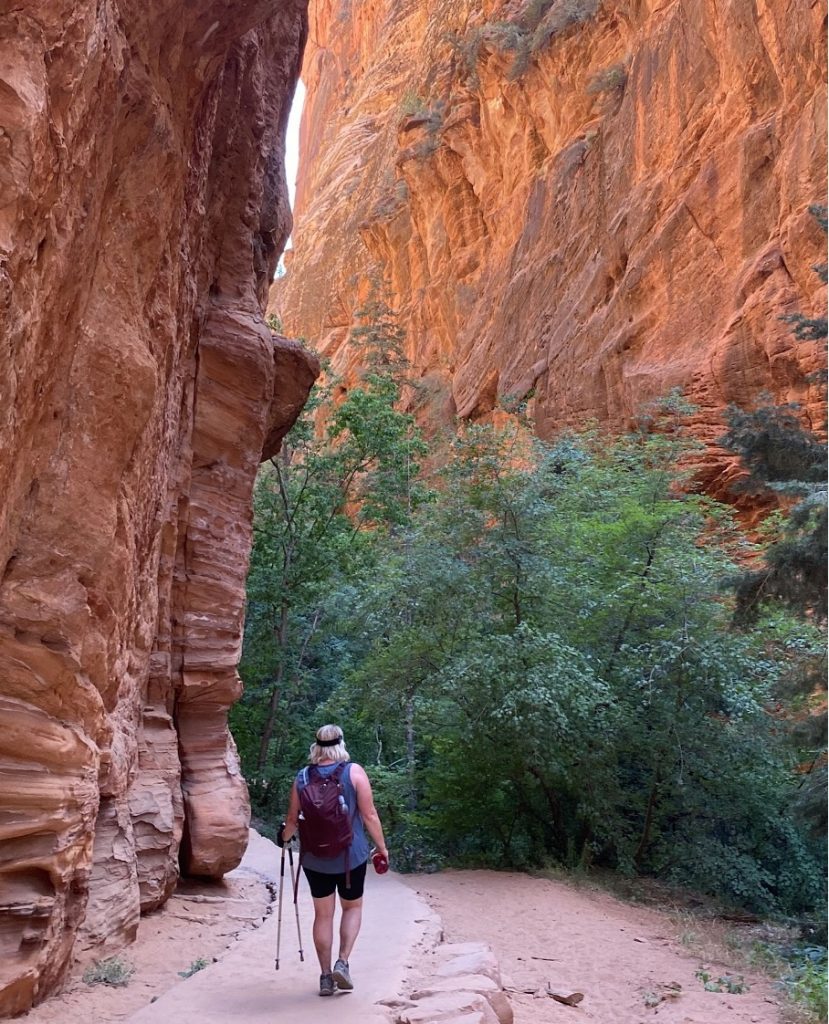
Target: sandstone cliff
576,203
142,210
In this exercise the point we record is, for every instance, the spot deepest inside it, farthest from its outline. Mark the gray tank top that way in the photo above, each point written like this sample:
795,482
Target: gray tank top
359,850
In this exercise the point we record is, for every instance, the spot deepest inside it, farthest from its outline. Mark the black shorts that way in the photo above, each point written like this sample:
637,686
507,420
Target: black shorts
322,884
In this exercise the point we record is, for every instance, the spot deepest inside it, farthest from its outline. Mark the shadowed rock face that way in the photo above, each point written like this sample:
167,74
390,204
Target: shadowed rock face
586,224
142,209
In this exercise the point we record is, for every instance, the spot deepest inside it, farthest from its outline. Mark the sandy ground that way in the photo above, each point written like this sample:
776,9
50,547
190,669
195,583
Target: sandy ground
219,923
621,957
245,988
626,960
200,922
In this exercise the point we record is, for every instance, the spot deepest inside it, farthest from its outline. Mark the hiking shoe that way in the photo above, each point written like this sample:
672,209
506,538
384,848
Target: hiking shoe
342,977
327,986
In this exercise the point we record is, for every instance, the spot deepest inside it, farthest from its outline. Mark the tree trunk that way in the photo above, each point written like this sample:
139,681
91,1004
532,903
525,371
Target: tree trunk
646,829
411,802
276,692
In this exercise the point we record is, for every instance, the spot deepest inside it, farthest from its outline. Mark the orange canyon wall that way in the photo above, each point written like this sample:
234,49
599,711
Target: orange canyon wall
142,210
583,204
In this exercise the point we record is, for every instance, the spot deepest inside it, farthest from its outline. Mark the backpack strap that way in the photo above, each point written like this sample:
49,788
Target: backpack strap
303,778
340,773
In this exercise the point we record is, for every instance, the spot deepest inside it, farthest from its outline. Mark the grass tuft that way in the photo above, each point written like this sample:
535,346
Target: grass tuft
113,971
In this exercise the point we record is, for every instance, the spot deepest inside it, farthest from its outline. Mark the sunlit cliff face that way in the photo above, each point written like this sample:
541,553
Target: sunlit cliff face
143,211
580,206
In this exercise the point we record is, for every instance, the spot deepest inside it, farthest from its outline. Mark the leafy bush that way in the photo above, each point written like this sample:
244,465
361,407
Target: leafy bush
806,985
609,79
554,624
114,971
197,965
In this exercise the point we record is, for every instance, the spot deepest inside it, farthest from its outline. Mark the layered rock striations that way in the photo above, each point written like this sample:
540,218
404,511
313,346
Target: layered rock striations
142,210
577,204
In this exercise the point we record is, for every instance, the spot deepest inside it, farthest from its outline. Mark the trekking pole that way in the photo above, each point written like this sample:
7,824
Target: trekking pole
295,887
279,910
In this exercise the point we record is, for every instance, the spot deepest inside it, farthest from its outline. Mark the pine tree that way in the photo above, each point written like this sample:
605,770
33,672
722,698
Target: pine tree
785,457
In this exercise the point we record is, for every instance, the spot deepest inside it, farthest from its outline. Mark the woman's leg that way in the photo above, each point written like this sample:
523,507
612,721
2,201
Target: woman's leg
352,918
324,930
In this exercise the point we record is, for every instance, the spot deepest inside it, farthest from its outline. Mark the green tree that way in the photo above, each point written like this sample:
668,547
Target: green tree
577,691
787,461
346,472
786,458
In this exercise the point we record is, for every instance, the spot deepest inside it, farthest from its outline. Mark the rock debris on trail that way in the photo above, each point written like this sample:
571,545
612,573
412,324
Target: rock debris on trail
244,986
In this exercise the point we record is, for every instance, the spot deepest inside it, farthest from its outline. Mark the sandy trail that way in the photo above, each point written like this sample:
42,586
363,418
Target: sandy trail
620,956
206,921
199,922
616,954
244,987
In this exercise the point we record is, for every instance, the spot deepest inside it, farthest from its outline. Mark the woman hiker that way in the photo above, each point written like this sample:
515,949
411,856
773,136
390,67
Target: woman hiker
330,784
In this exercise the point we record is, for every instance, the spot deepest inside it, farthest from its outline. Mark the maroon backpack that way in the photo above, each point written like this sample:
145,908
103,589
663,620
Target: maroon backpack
324,822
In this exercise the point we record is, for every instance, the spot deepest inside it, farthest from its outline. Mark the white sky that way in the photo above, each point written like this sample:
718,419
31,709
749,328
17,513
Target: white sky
292,142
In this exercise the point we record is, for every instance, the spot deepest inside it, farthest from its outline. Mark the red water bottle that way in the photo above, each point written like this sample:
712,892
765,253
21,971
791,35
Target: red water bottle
381,863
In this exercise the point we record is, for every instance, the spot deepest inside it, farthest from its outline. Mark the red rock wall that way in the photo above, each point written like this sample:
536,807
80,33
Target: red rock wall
626,215
142,210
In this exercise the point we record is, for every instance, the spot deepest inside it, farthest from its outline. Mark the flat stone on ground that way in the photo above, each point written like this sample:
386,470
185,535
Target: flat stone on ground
447,1005
480,962
450,949
464,982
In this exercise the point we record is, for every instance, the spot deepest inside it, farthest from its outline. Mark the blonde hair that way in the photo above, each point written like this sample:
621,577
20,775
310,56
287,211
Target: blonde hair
317,754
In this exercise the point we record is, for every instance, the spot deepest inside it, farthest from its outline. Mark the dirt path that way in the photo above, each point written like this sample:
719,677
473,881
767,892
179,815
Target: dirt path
621,957
626,960
199,922
225,921
244,987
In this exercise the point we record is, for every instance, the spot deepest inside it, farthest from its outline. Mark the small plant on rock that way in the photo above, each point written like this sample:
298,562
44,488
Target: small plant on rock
194,968
413,105
113,971
560,17
735,985
608,80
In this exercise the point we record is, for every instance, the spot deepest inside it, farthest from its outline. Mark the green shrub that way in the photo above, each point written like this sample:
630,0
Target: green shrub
196,966
562,16
806,984
609,79
413,104
114,971
553,621
734,985
577,690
